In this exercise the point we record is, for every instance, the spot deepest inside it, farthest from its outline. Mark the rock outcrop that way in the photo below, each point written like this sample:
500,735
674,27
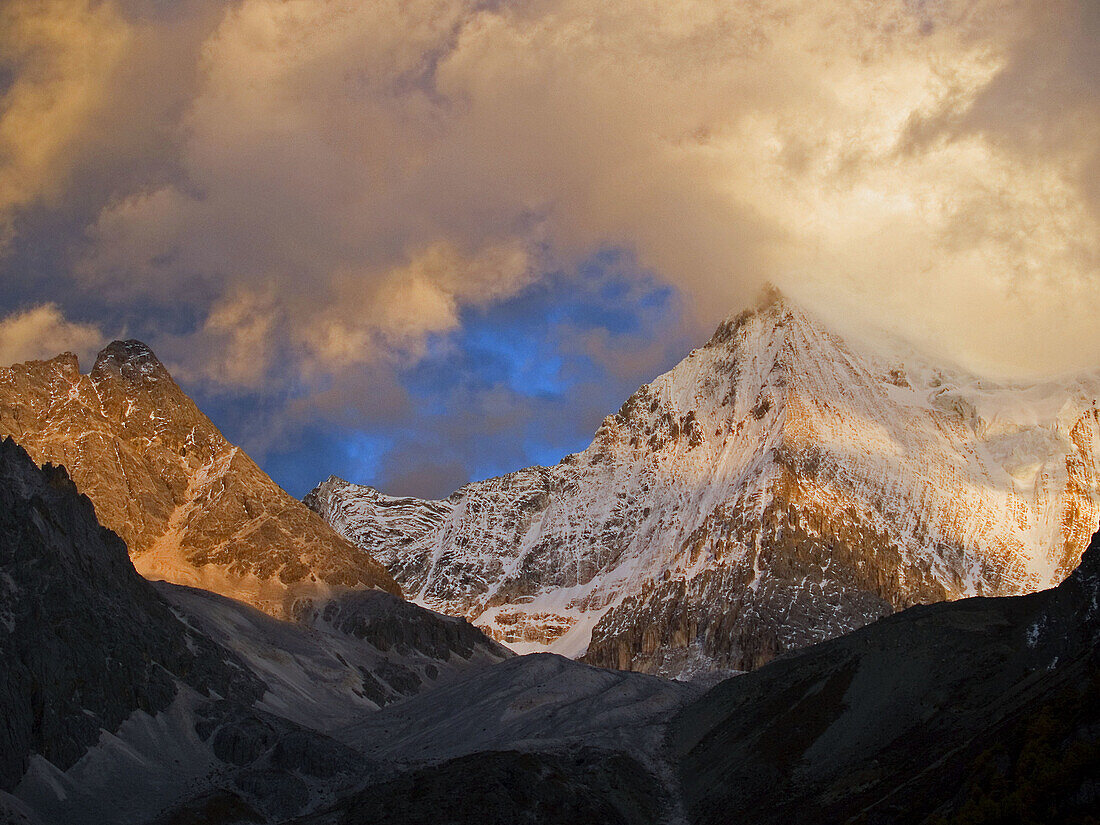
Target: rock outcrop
779,487
192,508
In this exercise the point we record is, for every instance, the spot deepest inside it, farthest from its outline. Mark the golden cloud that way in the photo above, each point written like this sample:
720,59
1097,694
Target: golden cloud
42,332
351,175
63,56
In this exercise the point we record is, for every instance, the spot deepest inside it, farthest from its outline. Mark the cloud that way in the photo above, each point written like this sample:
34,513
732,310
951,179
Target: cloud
324,187
62,56
394,310
522,381
42,332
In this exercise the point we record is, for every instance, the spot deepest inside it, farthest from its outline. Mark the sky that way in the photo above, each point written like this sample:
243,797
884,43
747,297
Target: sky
419,242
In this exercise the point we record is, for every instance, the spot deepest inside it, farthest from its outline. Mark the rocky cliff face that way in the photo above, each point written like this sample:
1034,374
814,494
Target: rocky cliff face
192,508
84,640
779,487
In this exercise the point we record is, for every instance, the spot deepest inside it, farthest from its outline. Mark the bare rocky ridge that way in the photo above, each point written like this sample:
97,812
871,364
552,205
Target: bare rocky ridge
192,508
779,487
125,701
112,704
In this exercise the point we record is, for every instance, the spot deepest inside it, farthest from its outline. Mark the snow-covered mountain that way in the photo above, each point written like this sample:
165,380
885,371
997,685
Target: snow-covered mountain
778,487
192,508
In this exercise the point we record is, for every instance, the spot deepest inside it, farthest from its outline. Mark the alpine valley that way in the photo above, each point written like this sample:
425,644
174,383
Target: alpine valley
781,486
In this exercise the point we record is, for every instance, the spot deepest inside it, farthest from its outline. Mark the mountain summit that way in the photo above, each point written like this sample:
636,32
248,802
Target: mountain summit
192,508
778,487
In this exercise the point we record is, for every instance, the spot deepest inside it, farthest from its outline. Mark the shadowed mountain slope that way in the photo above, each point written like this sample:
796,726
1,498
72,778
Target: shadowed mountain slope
113,707
84,640
359,652
984,710
122,700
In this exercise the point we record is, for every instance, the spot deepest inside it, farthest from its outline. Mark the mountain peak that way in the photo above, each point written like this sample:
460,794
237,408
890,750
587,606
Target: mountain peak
769,299
191,506
770,295
779,465
132,360
66,362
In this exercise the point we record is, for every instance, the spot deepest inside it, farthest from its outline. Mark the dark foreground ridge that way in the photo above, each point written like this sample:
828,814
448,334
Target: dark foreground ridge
983,710
70,598
129,702
114,707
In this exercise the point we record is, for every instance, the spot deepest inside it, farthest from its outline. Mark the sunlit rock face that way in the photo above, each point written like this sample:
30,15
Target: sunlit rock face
778,487
192,508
